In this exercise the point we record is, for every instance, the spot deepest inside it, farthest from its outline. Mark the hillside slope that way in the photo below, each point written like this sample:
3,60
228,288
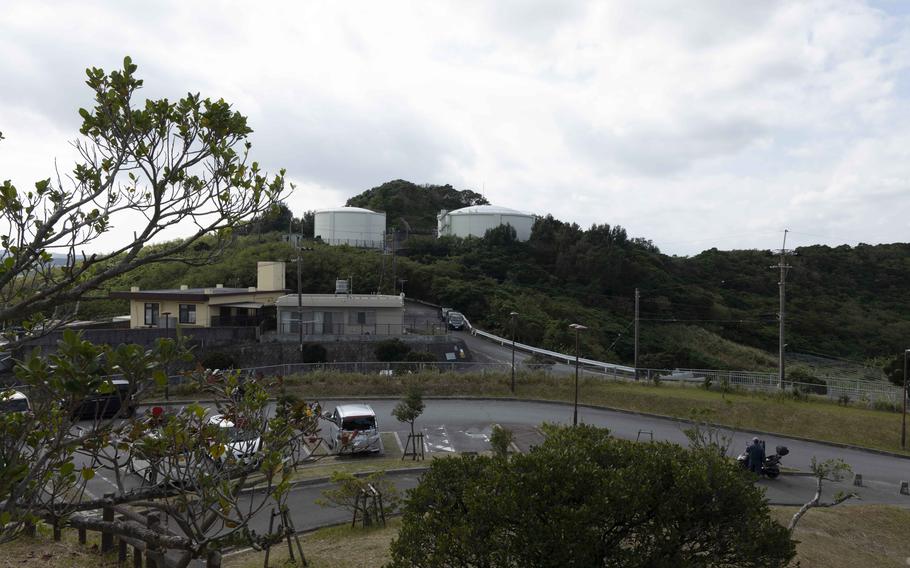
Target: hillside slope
695,311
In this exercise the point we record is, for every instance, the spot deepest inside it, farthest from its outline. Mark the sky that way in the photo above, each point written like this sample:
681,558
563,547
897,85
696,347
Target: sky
695,124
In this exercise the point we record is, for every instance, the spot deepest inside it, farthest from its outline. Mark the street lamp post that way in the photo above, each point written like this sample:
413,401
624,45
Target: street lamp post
167,382
578,328
513,315
904,404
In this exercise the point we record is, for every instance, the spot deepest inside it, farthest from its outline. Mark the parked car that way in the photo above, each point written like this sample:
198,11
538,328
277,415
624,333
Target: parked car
118,402
455,320
444,314
353,429
242,448
14,401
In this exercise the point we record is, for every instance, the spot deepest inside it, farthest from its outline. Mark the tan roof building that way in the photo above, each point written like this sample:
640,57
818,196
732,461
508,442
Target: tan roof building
207,307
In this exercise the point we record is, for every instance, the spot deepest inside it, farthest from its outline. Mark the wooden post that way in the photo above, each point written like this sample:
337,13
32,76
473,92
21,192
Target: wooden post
57,535
137,557
121,551
107,515
268,547
151,521
82,538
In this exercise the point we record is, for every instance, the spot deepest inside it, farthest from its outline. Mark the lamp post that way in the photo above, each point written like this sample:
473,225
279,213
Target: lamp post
904,404
167,382
166,315
514,316
578,328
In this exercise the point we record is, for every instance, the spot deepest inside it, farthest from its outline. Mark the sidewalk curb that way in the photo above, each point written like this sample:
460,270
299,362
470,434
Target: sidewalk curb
886,453
320,480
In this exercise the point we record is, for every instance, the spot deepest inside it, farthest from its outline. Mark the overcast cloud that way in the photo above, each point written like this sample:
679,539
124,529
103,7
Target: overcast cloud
695,124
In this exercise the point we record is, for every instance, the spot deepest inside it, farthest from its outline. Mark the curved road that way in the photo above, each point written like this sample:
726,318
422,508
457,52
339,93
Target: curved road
464,425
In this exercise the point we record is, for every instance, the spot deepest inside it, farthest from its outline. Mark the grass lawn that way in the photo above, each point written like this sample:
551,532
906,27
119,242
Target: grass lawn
334,547
42,551
850,536
815,418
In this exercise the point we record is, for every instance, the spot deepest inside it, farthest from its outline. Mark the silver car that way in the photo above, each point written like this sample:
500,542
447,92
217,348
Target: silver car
352,428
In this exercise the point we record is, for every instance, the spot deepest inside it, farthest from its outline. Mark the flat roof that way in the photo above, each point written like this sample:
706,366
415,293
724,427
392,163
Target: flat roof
189,294
341,301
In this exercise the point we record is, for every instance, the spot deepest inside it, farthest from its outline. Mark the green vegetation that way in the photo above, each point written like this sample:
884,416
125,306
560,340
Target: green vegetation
620,504
414,207
713,310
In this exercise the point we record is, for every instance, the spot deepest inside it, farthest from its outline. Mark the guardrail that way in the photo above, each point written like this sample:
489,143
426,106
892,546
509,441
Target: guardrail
569,359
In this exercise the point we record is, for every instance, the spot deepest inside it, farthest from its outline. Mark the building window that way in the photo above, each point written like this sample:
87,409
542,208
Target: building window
151,314
361,318
187,313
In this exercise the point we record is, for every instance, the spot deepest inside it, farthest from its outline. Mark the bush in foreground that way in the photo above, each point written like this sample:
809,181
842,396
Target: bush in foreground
584,499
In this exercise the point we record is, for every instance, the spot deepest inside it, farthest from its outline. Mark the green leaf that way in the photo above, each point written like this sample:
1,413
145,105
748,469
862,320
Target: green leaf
87,473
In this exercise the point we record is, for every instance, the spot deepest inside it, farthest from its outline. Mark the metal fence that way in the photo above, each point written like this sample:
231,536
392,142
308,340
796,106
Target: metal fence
834,388
319,330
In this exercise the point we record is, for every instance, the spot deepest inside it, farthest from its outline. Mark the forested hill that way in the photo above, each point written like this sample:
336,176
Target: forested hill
416,205
709,310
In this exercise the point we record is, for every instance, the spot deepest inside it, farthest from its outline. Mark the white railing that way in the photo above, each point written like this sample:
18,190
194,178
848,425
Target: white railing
569,359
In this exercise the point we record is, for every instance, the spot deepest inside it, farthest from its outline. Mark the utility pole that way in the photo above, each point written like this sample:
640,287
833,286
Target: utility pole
782,314
513,315
904,404
299,299
637,297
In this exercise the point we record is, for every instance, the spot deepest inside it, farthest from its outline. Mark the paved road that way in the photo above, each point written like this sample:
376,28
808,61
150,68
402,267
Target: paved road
465,426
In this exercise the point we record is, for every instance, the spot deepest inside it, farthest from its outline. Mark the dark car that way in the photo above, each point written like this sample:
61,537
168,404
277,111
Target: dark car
119,402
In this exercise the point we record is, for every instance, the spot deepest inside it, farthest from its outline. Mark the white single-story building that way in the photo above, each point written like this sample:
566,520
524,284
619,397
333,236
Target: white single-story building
340,314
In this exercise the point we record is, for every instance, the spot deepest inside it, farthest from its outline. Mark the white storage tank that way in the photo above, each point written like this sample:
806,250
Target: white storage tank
476,220
352,226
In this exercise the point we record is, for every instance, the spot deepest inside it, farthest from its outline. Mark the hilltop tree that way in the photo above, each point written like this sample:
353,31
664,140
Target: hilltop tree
147,167
414,207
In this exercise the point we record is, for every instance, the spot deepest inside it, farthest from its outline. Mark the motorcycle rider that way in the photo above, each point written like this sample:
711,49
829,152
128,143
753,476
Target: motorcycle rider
755,456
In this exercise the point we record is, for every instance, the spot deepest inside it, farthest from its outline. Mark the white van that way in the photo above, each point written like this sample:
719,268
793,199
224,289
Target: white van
352,428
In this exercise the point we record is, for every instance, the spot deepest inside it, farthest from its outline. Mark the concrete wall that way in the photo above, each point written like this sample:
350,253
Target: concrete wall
264,354
270,275
202,338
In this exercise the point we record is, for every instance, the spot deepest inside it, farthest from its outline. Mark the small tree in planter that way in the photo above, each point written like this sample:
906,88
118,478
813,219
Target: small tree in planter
408,410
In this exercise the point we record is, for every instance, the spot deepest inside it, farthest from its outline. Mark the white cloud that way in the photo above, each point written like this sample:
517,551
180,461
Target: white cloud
716,125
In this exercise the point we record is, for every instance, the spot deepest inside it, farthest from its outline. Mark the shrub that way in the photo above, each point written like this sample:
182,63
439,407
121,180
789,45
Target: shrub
886,405
420,357
533,510
808,382
313,353
391,350
217,360
500,440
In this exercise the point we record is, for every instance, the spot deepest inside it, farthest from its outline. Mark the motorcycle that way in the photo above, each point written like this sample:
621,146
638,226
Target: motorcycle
770,468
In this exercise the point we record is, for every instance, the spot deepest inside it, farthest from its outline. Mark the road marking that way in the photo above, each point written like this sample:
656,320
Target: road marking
114,485
398,441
